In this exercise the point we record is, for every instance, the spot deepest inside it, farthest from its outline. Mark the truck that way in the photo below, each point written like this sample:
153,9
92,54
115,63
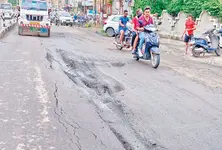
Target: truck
34,18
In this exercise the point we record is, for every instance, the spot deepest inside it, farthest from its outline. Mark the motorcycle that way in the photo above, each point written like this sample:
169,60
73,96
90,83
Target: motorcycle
57,21
81,22
150,49
209,42
126,39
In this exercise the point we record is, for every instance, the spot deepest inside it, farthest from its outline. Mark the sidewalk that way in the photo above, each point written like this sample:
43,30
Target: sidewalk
99,30
4,30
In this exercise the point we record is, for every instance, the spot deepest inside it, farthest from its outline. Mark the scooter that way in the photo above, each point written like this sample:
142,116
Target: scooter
150,49
57,21
126,39
209,42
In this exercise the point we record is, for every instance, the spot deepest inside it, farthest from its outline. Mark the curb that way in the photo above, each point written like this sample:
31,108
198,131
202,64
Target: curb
162,35
7,29
167,36
101,34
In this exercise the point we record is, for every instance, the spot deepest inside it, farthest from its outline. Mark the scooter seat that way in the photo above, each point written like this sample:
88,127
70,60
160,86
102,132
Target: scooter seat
211,49
200,39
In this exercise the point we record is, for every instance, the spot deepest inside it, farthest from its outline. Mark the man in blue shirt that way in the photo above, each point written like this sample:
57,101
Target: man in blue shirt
122,25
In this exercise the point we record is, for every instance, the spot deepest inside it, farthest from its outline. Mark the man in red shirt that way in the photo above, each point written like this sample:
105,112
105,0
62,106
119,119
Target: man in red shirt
190,26
139,12
144,20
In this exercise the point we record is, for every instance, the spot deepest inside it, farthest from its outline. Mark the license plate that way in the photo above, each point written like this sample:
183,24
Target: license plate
35,23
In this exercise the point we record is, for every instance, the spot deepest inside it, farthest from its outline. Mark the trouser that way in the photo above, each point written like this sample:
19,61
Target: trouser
133,38
147,49
142,40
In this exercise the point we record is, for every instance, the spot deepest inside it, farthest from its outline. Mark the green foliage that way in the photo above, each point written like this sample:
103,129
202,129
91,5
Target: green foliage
110,2
194,7
13,2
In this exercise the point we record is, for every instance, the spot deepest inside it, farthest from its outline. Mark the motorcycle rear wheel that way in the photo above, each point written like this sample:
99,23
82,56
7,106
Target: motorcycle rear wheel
194,53
119,47
136,57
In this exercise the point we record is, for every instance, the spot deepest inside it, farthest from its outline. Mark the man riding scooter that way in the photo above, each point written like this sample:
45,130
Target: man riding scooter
122,25
57,19
144,20
139,13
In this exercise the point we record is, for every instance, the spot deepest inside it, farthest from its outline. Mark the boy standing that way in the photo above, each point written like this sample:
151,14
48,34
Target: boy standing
190,26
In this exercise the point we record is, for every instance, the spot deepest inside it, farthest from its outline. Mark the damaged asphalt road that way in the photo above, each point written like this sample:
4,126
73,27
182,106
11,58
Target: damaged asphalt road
75,91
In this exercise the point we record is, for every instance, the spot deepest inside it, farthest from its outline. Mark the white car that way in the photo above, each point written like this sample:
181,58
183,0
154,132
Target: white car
6,10
66,18
111,25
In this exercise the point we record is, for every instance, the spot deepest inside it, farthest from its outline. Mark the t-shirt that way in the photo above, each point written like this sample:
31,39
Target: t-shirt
135,22
123,20
190,25
144,22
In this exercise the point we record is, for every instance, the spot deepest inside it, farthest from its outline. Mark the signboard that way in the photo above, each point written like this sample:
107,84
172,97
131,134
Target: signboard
87,3
91,12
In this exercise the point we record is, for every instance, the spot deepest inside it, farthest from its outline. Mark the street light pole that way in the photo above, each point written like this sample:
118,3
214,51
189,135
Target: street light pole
84,6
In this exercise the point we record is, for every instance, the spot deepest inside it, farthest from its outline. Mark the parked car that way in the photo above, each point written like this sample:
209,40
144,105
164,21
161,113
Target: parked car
111,25
7,10
65,18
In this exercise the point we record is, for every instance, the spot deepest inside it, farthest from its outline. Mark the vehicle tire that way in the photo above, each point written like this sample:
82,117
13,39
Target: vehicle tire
155,60
137,58
117,38
49,33
218,51
119,47
194,53
110,32
19,31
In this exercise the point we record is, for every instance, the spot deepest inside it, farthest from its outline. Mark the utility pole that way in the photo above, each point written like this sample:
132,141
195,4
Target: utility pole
120,6
102,11
84,6
94,9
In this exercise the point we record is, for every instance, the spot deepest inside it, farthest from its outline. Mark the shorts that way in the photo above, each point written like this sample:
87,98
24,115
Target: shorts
187,38
122,28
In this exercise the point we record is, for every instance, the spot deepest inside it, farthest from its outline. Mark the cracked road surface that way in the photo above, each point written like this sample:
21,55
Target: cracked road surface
75,91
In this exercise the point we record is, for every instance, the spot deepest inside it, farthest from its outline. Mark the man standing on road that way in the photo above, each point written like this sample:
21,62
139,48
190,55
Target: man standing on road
190,26
122,25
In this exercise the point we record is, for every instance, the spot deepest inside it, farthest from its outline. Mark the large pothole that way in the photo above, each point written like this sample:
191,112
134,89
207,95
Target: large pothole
84,73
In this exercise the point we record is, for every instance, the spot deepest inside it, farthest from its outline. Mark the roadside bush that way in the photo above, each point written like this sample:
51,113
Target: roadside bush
194,7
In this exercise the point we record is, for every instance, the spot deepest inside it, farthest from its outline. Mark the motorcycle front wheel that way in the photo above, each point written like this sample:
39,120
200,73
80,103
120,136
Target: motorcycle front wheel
155,60
218,51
